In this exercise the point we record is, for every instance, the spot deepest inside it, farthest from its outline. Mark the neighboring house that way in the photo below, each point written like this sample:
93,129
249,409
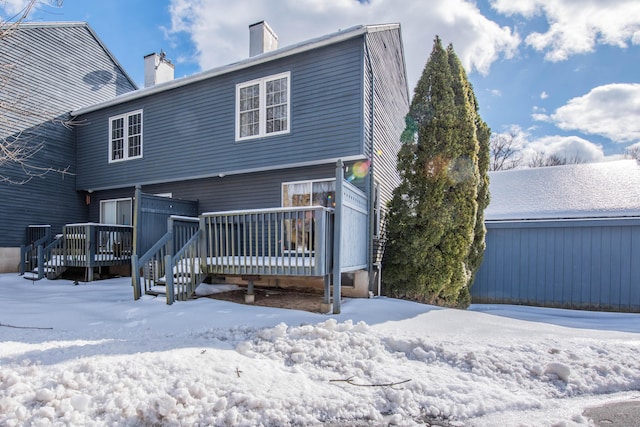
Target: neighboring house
262,133
47,70
563,236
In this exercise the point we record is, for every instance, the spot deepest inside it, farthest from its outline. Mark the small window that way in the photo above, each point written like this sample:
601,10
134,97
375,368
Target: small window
125,136
116,211
263,107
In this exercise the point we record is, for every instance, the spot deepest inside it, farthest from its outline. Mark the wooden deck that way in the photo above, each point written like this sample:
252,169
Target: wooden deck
311,241
87,245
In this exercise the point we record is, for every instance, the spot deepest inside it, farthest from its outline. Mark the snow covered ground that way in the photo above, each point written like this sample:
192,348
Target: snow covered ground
103,359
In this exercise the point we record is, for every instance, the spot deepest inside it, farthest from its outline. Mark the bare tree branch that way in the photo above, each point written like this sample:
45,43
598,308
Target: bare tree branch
633,152
541,160
505,151
21,122
351,382
22,327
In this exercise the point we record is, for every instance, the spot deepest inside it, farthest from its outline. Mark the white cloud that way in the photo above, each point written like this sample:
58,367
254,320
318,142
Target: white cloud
577,26
568,147
611,111
544,95
10,9
219,29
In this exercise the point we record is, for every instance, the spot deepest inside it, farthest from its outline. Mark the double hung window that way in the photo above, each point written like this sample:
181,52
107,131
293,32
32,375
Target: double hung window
263,107
125,136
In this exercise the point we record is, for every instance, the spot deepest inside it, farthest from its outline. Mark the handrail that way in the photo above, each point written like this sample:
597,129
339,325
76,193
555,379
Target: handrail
54,265
186,271
152,265
26,250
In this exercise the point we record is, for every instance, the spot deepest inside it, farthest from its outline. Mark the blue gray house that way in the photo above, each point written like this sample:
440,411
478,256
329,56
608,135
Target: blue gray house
273,153
48,70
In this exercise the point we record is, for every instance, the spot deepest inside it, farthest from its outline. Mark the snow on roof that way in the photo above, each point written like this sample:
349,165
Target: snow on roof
593,190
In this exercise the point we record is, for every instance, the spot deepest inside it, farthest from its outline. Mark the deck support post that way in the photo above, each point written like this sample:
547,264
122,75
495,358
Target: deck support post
337,239
325,307
135,277
168,274
40,262
89,250
250,297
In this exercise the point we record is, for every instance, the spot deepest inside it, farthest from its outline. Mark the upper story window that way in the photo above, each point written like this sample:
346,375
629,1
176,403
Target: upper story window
125,136
263,106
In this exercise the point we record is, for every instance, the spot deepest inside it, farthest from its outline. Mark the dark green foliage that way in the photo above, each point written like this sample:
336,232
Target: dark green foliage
435,221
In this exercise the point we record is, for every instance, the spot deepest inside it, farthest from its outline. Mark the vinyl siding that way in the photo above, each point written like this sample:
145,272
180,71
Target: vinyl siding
55,68
390,105
189,131
579,264
246,191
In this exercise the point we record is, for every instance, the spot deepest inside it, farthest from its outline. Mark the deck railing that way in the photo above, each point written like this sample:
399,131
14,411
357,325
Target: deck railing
87,246
148,271
294,241
37,235
97,245
186,268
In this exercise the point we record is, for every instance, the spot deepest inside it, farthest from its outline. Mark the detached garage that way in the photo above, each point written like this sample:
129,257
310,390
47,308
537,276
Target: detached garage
563,236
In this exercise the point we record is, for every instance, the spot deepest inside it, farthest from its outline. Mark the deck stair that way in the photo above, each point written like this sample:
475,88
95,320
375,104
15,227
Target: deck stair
86,245
177,252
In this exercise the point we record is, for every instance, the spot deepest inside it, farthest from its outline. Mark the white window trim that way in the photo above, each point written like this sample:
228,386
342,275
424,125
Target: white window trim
122,199
126,136
262,111
307,181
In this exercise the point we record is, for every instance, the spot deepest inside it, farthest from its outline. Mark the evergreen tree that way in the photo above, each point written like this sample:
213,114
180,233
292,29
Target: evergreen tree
435,221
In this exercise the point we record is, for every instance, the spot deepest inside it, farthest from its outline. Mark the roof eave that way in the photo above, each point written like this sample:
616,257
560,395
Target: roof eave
284,52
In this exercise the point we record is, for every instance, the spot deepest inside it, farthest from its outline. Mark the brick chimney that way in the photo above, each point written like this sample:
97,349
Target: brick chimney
157,69
261,38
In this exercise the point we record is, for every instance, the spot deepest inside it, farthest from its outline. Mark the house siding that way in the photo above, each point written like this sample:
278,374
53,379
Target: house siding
54,68
390,106
233,192
189,131
578,264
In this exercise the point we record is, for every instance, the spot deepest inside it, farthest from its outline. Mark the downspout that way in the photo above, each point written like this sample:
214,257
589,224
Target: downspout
371,165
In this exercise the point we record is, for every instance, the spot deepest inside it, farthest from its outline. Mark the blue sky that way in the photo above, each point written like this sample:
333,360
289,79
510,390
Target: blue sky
561,75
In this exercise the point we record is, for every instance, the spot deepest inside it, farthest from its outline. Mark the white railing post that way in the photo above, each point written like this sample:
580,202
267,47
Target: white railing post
337,239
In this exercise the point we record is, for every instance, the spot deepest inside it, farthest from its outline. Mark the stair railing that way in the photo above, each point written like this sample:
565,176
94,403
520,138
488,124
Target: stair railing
51,259
148,270
187,270
152,265
28,253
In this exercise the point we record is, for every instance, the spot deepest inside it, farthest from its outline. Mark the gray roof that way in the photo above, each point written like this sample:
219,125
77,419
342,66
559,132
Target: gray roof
304,46
594,190
57,67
